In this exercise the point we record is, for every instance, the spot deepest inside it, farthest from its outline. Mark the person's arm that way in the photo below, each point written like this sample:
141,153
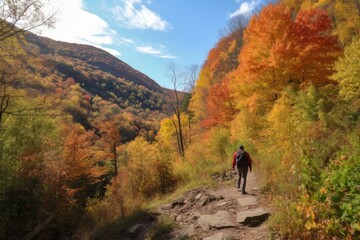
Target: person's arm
234,162
249,161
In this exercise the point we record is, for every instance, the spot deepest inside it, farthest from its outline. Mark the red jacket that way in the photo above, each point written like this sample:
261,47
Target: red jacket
247,155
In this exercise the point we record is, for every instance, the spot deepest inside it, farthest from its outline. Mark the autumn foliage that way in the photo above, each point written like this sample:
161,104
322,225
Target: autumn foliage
279,51
293,98
82,148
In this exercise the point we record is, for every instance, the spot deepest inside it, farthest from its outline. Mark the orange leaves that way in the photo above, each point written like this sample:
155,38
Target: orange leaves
278,49
220,105
314,47
75,164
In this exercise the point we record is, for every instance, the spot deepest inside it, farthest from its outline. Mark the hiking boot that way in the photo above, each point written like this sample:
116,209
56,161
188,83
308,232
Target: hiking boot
244,192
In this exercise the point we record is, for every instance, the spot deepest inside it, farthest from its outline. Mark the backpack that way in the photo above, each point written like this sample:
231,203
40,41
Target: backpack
241,160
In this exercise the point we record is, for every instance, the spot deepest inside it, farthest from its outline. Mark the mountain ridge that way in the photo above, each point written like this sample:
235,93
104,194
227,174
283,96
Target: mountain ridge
90,84
49,46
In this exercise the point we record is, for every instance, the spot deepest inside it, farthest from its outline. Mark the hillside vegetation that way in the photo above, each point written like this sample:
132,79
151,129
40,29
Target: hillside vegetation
289,90
286,84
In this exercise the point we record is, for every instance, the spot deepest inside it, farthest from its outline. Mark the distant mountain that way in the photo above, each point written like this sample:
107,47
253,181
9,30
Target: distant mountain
95,57
101,80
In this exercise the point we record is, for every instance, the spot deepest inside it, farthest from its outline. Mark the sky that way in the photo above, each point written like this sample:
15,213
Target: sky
147,34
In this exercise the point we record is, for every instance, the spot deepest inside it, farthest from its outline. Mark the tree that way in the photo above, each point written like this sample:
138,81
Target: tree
220,61
220,105
12,76
73,167
348,73
191,76
22,15
27,14
279,51
344,14
110,137
176,77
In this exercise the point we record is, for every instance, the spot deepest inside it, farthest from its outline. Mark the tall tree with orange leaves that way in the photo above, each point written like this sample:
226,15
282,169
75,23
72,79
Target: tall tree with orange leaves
279,51
220,106
74,167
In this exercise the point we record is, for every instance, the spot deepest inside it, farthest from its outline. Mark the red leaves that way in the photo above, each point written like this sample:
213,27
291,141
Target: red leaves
220,105
278,48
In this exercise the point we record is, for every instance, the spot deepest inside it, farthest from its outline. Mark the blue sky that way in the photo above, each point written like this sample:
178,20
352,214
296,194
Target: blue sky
147,34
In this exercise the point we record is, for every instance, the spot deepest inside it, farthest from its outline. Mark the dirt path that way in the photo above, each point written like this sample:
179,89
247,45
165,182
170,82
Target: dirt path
221,213
229,191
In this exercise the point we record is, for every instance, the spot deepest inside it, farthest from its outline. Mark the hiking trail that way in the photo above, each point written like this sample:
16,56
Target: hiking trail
221,213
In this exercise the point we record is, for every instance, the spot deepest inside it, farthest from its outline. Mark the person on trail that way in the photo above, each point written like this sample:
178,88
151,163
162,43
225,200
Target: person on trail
243,161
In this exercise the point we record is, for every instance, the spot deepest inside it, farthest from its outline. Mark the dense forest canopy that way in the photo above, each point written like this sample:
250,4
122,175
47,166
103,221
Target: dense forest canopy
78,126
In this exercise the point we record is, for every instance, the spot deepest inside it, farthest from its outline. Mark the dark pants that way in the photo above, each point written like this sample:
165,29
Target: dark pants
242,171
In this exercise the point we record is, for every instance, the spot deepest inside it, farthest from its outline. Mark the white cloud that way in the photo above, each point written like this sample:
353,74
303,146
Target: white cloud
158,52
246,8
127,40
74,24
134,14
168,56
110,50
148,50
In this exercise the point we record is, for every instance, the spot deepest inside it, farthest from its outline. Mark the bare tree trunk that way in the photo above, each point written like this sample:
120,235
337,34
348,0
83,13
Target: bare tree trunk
175,77
177,137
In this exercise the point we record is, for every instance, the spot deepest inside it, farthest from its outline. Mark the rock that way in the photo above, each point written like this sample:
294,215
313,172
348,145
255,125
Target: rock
232,210
137,231
247,201
219,197
217,236
222,219
247,217
195,215
178,218
190,231
204,200
179,202
185,209
223,203
197,197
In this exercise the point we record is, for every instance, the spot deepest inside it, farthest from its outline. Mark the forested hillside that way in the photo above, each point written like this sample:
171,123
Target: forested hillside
99,77
67,111
285,83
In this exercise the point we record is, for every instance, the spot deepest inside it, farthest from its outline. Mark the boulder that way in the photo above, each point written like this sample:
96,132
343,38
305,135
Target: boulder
190,231
253,217
222,219
247,201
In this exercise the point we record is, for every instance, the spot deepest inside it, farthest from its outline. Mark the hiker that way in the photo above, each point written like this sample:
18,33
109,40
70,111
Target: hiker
242,160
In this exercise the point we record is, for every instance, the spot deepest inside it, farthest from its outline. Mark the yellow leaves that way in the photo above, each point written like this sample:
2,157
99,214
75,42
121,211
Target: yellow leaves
309,215
167,129
252,102
348,73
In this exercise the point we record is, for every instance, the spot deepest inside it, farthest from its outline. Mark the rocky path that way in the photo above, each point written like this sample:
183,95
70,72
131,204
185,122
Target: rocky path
223,213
